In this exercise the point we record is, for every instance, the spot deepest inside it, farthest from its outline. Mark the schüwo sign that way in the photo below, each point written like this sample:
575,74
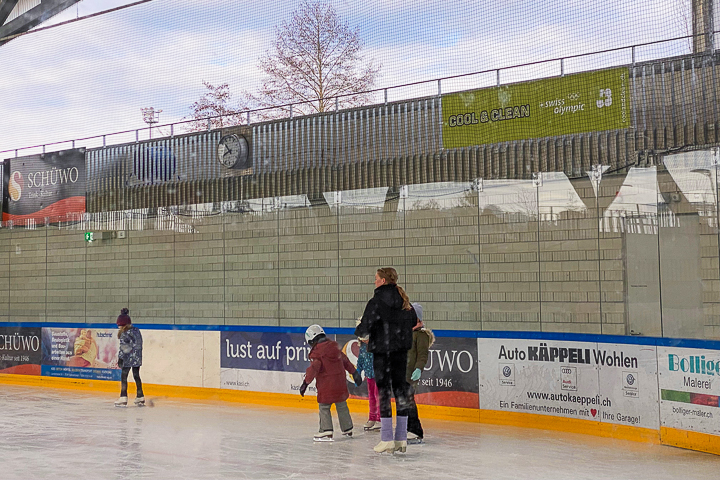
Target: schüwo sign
20,352
584,102
46,185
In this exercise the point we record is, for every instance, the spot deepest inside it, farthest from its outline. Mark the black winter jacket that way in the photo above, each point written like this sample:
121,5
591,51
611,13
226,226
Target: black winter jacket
389,326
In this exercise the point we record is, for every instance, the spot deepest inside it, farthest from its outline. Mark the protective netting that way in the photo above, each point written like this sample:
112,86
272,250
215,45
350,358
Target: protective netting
547,165
93,76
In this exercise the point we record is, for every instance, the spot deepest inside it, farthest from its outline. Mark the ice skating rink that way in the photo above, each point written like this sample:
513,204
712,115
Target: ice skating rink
60,434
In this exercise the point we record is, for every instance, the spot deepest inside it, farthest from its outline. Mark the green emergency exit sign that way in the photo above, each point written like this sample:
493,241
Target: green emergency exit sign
89,236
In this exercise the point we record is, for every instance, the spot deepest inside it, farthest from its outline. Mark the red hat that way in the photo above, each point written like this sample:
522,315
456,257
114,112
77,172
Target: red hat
124,319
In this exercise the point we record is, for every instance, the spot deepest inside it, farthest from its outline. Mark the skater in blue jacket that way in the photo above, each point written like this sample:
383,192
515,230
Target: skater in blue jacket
129,358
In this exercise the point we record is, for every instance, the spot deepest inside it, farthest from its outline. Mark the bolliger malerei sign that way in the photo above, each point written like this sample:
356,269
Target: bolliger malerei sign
42,186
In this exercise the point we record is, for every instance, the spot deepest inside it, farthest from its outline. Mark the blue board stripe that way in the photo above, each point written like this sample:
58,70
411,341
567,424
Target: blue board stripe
520,335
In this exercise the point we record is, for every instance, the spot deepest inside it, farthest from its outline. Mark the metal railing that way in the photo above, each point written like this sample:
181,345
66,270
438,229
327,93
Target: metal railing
560,61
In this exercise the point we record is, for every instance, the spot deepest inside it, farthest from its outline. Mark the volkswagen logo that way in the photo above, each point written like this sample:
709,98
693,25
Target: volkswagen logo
630,379
507,371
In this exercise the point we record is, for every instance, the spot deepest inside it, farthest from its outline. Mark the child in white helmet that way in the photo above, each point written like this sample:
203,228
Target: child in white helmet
327,367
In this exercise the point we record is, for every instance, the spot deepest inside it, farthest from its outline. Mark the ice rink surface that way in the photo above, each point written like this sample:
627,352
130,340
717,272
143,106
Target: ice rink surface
57,434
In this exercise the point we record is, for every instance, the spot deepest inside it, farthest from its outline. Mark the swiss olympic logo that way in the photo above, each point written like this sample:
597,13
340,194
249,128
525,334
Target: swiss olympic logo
15,186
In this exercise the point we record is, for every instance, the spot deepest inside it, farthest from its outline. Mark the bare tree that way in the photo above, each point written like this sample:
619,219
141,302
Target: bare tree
315,57
214,102
683,15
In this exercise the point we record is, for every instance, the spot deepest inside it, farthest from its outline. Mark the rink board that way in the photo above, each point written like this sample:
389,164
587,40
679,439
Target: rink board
602,382
645,389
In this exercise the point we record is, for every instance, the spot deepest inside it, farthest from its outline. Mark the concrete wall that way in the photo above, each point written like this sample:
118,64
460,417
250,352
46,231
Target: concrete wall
497,260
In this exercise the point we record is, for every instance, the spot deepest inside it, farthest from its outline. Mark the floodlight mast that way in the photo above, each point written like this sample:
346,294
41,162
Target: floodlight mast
151,116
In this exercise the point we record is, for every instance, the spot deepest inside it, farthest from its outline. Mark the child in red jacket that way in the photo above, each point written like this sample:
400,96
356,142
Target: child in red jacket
327,367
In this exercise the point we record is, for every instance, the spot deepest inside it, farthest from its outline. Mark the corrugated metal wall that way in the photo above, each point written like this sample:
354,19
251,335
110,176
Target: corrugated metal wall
673,106
365,134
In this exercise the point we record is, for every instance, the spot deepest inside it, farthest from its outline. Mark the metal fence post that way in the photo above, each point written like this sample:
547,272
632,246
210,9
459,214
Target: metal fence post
498,76
439,89
562,67
386,96
248,117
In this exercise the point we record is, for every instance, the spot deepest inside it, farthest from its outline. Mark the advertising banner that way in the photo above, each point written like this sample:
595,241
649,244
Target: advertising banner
584,380
689,389
264,361
450,376
80,353
45,185
350,346
583,102
20,352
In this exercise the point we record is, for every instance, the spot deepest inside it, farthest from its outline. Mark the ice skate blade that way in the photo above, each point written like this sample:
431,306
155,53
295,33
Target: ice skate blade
415,441
121,405
323,439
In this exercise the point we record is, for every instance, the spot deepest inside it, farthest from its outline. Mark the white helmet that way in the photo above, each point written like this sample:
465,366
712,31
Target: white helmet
313,332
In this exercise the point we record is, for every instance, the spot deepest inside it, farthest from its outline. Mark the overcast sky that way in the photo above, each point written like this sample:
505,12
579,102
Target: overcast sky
92,77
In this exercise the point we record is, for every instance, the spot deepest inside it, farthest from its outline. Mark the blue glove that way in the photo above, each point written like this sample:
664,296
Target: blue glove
415,375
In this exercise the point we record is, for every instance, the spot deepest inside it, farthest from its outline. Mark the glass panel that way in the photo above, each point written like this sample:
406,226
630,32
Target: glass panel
27,274
107,268
630,285
689,246
569,278
308,262
66,251
151,267
371,237
442,272
6,250
508,255
251,266
199,272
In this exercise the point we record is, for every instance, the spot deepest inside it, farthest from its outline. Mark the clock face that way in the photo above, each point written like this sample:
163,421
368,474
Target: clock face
233,151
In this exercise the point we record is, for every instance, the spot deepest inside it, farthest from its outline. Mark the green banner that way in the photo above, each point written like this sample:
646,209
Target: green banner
584,102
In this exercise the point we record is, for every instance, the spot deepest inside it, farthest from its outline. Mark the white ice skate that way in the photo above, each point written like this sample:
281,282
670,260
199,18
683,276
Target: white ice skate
323,436
348,433
413,439
140,401
121,402
385,447
371,425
